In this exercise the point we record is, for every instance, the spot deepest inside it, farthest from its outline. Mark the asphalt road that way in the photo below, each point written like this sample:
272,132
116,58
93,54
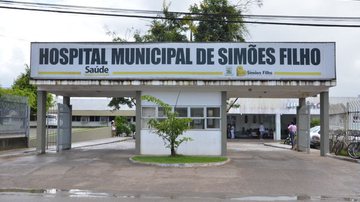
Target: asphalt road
104,173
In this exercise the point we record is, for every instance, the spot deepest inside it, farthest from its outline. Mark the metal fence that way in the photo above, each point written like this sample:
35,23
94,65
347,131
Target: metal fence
51,126
14,116
345,117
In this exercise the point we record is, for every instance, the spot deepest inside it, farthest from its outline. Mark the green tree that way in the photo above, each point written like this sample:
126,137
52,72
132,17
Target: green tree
214,26
170,29
315,122
171,128
216,23
22,87
164,30
123,126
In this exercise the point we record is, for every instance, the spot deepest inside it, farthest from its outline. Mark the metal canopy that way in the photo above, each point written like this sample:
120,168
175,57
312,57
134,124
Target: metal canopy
248,89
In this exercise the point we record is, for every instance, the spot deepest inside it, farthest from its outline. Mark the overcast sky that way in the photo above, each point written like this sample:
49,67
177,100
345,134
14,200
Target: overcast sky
19,28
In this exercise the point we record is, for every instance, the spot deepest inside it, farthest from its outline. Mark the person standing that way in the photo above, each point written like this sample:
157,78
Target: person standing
228,134
261,131
232,132
292,130
113,128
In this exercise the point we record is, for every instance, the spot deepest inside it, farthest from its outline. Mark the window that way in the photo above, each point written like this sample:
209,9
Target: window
94,118
147,114
197,124
197,112
161,112
103,119
84,119
197,115
182,111
213,117
202,117
213,112
76,118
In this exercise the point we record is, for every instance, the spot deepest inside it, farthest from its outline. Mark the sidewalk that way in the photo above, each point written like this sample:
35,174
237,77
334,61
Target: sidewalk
32,151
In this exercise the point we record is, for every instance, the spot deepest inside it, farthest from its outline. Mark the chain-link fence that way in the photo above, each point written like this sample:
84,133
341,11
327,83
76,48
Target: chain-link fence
14,116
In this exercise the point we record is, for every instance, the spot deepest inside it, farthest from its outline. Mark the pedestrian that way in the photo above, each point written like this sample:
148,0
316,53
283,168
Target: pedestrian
113,128
228,129
292,130
261,131
232,131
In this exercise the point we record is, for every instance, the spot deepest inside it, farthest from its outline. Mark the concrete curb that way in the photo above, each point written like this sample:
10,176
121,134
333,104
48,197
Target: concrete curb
343,158
102,143
181,165
277,146
327,155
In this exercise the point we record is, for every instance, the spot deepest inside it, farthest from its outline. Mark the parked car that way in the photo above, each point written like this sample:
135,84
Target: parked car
51,120
315,136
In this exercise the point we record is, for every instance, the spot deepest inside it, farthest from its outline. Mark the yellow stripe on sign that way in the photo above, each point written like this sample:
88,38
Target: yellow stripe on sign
298,73
59,73
169,73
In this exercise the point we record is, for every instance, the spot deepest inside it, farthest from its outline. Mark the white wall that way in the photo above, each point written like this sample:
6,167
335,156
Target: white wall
205,142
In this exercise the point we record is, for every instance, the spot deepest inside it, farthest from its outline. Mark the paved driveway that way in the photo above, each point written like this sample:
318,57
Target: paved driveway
256,172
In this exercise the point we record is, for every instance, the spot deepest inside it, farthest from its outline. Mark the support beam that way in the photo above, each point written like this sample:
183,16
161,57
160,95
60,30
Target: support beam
66,101
138,123
303,126
277,136
223,123
324,123
41,122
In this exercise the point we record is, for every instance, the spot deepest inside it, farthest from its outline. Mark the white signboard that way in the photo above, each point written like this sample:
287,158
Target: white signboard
189,61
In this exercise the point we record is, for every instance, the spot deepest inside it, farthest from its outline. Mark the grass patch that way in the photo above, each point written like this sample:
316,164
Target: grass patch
179,159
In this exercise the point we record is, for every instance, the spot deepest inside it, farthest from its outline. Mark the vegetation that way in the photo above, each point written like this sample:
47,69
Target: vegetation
171,128
22,87
123,126
217,24
314,122
179,159
216,27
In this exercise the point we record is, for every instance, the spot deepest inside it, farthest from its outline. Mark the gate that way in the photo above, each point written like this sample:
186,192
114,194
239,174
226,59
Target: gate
64,128
51,127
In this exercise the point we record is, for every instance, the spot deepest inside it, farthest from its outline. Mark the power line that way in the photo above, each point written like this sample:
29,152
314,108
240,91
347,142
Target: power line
105,9
58,8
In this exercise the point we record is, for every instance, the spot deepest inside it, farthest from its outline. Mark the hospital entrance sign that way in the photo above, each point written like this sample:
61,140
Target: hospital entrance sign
195,78
197,61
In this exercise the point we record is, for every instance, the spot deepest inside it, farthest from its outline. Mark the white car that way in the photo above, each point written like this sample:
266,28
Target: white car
51,120
315,136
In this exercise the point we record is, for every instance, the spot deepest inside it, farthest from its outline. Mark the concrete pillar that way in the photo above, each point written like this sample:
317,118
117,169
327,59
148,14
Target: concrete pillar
138,123
66,101
277,135
303,126
223,123
324,123
41,122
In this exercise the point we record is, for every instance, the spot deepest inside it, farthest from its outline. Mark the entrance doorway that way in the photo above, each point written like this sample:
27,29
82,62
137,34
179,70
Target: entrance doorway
247,125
